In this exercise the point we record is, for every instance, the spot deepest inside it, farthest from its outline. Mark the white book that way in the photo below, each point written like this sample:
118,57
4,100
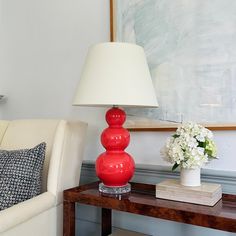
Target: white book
206,194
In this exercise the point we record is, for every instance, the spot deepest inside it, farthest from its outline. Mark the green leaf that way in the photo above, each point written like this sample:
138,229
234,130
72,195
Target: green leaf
202,144
211,157
175,135
175,166
208,152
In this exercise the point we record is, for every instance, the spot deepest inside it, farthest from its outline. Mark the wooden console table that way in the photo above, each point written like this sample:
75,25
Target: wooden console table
142,201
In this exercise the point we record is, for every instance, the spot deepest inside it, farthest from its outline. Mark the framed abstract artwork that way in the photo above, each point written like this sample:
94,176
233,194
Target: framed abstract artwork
191,52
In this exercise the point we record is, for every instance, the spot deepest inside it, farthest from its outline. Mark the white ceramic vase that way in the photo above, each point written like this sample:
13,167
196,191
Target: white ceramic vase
190,177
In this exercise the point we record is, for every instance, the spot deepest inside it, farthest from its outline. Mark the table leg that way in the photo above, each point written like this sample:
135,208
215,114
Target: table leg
68,218
106,222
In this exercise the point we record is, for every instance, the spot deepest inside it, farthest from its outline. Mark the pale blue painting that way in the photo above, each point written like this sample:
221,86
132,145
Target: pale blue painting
191,50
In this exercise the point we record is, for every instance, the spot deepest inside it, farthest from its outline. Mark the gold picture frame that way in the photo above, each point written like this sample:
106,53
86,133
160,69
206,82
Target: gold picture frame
146,126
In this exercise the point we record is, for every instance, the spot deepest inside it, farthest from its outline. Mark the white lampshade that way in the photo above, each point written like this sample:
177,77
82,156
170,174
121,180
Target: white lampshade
116,74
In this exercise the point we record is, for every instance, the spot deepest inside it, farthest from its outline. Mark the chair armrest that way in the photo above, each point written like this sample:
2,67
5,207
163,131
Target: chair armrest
24,211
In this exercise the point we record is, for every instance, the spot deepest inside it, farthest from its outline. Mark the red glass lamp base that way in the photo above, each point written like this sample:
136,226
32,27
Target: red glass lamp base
115,167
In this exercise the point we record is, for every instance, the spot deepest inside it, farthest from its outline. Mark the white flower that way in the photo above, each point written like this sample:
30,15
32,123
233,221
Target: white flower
209,134
200,138
190,147
192,143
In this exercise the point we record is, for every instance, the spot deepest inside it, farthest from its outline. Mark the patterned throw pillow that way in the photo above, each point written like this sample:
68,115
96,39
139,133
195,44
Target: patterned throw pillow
20,174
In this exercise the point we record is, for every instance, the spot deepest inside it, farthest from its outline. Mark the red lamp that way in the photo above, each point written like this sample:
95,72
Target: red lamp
115,74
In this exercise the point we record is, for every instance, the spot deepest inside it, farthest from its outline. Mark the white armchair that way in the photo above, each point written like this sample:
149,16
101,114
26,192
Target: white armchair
42,215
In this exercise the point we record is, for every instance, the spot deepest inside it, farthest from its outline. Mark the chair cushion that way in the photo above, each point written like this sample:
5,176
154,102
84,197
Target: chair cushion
27,133
20,174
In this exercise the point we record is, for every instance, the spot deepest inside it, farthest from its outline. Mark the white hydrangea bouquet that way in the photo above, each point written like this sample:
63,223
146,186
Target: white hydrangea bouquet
190,147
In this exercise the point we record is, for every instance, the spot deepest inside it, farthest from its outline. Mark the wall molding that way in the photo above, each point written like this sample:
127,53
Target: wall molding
153,174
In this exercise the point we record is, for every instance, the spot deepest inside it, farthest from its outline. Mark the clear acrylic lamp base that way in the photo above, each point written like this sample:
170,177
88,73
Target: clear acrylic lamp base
114,190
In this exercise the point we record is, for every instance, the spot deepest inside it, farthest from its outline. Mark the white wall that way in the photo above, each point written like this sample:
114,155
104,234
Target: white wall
45,43
2,55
